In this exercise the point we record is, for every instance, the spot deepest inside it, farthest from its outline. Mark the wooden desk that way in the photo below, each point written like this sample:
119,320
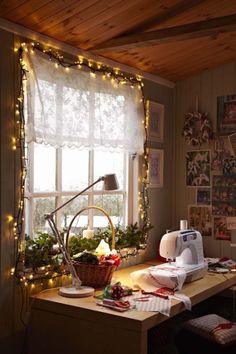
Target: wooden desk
62,325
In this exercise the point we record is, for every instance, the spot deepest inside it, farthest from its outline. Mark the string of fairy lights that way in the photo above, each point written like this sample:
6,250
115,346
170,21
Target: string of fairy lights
96,69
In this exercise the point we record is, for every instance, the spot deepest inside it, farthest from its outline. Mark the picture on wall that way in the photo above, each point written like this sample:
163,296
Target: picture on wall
156,162
221,232
224,195
231,223
200,218
226,114
155,122
198,168
232,141
204,196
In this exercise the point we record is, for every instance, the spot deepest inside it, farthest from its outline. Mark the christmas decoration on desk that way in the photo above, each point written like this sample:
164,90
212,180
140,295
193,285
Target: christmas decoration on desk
116,291
197,127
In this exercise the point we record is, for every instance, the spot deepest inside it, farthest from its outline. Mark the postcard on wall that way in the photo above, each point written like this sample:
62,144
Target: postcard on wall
231,223
221,231
204,196
224,209
226,114
200,218
156,166
155,122
224,195
198,168
232,141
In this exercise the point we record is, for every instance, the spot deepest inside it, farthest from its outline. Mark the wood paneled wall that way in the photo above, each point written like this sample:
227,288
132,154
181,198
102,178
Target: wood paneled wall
207,86
7,188
161,198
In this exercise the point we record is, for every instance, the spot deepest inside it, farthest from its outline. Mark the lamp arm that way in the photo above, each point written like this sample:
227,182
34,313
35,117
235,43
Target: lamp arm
75,279
75,196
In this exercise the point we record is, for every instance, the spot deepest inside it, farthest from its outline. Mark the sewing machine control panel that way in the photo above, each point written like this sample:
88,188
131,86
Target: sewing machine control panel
188,236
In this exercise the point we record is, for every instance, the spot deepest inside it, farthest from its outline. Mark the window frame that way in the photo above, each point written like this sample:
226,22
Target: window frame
129,193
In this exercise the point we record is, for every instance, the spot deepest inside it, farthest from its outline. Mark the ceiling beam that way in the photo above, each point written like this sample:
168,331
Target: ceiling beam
54,43
172,34
168,14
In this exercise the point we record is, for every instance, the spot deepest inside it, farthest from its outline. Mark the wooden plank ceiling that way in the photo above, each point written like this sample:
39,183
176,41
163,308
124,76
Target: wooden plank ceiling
173,39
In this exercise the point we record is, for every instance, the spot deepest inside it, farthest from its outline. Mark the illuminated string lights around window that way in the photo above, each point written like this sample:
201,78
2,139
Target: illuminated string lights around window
97,70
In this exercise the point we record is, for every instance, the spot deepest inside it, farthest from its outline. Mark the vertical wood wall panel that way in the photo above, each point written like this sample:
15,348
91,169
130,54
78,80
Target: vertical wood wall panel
7,202
207,86
160,211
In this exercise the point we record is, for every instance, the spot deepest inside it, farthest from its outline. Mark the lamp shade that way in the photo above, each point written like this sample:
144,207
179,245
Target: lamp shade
110,182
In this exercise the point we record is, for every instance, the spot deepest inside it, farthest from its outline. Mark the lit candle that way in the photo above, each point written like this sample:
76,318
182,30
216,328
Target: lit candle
88,233
103,248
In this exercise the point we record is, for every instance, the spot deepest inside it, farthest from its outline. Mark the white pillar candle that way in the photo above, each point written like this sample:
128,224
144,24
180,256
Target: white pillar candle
88,233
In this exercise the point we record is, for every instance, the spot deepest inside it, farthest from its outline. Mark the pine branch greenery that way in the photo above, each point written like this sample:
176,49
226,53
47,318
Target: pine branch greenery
40,251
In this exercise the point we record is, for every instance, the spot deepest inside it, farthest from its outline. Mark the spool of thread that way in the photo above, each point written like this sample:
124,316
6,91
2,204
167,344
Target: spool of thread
183,224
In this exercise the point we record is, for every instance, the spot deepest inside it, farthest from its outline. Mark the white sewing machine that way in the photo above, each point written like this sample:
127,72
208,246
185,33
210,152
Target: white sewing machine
183,249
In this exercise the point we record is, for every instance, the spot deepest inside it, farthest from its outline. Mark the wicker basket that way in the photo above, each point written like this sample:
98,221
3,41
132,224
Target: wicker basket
94,274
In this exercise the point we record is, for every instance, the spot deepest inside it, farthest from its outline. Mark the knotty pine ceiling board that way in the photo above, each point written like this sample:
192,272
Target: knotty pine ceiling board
204,11
177,61
115,22
87,23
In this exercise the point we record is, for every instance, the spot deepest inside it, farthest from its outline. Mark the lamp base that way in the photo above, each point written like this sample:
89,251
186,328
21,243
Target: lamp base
72,291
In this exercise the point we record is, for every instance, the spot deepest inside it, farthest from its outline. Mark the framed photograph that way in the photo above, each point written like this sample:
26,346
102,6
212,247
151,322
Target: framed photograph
226,114
155,122
200,218
156,165
198,168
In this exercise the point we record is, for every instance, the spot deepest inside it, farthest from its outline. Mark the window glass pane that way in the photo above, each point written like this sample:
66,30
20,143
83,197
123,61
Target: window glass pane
106,162
113,205
70,210
44,168
74,169
42,206
27,217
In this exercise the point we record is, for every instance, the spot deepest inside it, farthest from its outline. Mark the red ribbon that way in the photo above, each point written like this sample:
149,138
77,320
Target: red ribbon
226,325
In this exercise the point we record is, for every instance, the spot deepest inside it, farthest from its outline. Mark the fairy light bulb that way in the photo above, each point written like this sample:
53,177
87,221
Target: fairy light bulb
12,271
10,218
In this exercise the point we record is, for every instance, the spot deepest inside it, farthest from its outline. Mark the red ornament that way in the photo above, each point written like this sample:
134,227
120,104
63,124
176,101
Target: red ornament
117,292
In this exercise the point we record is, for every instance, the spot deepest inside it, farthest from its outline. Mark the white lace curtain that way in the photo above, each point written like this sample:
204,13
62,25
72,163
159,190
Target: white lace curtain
73,109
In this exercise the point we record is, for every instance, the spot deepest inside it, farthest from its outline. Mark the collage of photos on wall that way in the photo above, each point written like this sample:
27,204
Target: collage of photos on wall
212,173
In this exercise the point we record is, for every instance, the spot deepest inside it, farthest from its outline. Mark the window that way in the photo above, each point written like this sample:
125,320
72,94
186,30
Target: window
79,128
57,174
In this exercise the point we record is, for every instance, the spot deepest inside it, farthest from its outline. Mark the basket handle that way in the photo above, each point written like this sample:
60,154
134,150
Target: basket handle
104,212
